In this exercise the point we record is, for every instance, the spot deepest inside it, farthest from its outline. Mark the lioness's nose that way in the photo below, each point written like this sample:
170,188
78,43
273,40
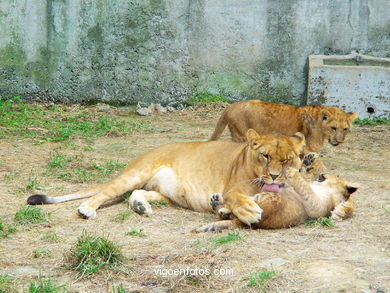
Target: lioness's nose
273,176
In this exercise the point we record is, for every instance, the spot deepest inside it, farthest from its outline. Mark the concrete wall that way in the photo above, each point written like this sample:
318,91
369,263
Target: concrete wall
124,51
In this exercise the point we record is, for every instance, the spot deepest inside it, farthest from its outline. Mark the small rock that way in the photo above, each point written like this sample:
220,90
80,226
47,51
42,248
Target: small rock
273,263
144,111
160,109
102,107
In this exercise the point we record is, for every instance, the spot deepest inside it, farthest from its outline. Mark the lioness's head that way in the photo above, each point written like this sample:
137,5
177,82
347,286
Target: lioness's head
272,154
336,124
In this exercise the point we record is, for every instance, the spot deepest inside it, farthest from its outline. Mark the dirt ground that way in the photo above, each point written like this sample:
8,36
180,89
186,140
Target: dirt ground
353,257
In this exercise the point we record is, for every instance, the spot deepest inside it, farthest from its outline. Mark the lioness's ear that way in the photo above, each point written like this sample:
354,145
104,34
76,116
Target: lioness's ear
299,142
351,189
351,116
253,138
325,114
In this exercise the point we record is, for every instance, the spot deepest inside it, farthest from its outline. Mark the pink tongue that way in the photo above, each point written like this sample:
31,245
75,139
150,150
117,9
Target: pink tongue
270,188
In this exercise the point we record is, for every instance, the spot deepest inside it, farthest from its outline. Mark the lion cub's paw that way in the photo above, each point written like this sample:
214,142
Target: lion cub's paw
248,211
309,159
225,214
141,208
216,200
86,211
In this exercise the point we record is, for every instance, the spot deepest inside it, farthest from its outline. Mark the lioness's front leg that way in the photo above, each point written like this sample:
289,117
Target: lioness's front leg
243,207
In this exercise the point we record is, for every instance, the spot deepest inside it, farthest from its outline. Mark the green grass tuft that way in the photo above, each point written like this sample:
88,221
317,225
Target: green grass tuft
6,284
231,236
260,280
122,216
372,121
46,286
135,232
206,97
30,215
322,222
42,253
51,236
158,203
91,254
6,230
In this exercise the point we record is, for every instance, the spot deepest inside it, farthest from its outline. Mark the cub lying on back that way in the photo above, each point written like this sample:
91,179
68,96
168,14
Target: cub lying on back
317,123
187,173
298,201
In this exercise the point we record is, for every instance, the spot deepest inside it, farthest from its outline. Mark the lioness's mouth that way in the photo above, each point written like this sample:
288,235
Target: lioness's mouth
271,187
333,143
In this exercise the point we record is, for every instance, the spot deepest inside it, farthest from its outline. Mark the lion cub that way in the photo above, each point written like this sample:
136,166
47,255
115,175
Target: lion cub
301,198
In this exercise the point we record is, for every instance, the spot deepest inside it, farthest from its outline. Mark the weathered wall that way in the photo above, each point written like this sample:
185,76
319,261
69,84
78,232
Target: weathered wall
164,50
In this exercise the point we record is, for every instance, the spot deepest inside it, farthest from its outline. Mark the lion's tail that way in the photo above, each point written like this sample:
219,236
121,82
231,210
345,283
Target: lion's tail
221,124
38,199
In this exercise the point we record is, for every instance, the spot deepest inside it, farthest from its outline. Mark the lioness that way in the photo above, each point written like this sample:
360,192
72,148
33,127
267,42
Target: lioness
188,173
317,123
298,200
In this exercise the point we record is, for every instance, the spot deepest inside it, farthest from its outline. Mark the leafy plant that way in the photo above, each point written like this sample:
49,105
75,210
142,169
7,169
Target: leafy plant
371,121
122,216
136,232
6,284
45,286
42,253
231,236
206,97
92,253
51,236
6,230
322,222
260,280
158,203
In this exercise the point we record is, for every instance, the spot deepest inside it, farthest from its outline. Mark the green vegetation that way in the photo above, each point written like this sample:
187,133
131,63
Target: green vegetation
91,254
322,222
59,123
75,170
122,216
51,236
136,232
45,286
260,280
41,253
373,121
231,236
6,230
206,97
119,289
158,203
32,184
6,284
30,215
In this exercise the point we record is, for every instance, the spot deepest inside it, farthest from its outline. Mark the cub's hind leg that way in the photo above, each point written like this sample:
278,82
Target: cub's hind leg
139,201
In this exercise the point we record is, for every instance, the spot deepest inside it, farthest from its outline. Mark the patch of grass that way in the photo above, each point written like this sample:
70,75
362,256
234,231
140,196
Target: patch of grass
91,254
88,148
158,203
10,176
61,122
371,121
260,280
6,284
42,253
57,161
206,97
6,230
45,286
231,236
322,222
135,232
119,289
51,236
30,215
32,184
122,216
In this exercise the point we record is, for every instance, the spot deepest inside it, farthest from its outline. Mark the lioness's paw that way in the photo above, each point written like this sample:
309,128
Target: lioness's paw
248,212
216,200
206,228
141,208
225,213
86,211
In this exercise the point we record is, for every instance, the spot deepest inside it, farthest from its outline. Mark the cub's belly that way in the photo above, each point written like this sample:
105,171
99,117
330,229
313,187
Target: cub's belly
180,189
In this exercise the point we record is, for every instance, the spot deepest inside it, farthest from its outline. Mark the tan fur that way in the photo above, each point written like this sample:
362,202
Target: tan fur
187,173
317,123
297,202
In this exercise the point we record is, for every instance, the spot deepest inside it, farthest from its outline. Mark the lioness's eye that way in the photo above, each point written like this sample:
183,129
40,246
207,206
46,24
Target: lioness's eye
265,156
333,128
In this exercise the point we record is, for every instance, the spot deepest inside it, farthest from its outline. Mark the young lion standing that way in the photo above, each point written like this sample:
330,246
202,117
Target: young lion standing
317,123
